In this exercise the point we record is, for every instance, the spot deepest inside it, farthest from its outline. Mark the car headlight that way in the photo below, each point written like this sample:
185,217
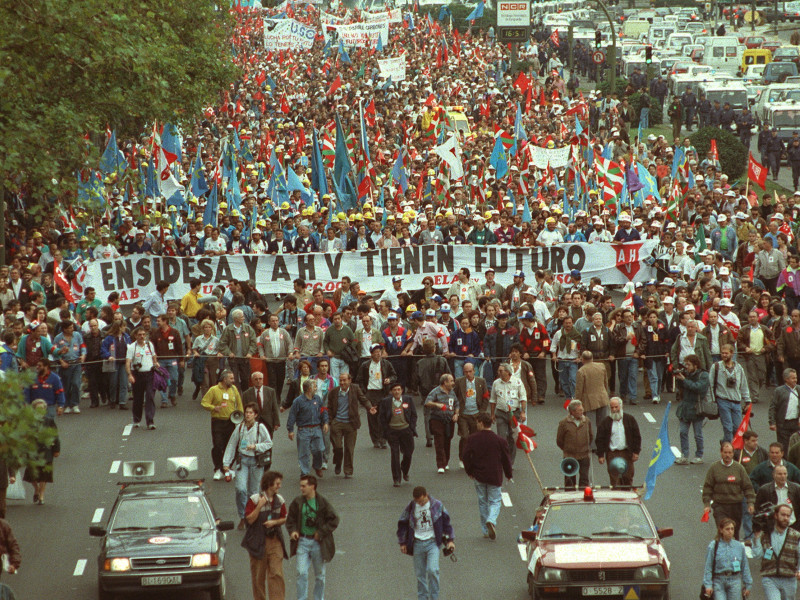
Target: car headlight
201,560
548,574
120,564
651,572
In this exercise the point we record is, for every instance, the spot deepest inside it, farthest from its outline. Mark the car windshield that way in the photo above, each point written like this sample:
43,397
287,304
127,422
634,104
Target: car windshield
781,68
781,52
161,513
596,520
787,119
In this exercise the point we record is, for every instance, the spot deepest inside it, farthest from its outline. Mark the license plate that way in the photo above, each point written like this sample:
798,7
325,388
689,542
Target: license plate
602,590
176,580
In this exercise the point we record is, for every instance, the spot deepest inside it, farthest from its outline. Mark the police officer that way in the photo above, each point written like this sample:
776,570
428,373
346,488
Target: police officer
726,117
744,125
675,113
638,79
775,149
689,103
658,89
703,111
715,113
794,160
763,141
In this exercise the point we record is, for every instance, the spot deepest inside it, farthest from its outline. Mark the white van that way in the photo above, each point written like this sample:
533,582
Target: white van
677,40
724,54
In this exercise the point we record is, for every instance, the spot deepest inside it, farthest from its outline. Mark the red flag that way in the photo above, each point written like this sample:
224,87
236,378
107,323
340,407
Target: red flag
554,38
337,83
486,110
528,100
522,82
756,172
430,101
284,105
714,151
63,284
738,437
523,435
370,113
706,515
542,101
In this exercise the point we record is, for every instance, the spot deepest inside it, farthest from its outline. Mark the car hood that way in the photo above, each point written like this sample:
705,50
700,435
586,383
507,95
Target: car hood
578,554
160,543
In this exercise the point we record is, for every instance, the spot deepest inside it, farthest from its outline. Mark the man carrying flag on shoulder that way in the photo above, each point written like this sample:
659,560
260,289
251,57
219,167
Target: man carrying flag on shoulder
486,460
663,457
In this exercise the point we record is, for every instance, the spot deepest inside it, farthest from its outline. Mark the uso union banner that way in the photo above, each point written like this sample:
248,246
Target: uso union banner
135,277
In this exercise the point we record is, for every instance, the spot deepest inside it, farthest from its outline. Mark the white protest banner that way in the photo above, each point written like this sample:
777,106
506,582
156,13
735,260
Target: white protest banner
555,157
329,19
287,34
393,16
360,35
393,67
135,277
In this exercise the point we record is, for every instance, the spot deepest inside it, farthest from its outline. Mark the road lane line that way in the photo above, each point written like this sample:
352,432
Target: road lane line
523,551
127,431
80,567
649,417
115,466
676,452
98,515
506,499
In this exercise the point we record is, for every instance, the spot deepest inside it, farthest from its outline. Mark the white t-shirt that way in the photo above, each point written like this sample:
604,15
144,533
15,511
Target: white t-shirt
142,355
423,528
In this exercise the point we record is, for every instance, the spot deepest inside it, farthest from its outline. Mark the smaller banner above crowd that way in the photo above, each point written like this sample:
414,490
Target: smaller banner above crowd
135,277
393,67
393,16
287,34
358,35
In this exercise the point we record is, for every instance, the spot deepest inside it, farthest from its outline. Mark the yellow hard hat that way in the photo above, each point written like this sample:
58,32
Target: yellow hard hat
341,216
285,206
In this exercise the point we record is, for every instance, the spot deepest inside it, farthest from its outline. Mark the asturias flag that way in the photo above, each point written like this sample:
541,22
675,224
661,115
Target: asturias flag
663,458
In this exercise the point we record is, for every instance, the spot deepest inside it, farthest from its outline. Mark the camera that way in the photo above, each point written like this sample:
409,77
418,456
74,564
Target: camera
447,551
730,382
762,520
679,370
136,367
312,522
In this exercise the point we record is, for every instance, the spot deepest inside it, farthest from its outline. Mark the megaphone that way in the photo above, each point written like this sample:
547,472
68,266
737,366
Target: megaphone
569,467
618,465
183,465
138,469
237,417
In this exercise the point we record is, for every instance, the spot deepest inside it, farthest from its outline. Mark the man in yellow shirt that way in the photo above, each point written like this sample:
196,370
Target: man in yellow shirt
191,302
221,400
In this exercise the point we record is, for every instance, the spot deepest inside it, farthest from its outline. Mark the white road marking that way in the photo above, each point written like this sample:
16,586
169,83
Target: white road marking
80,567
115,466
649,417
98,515
506,499
127,431
523,551
676,452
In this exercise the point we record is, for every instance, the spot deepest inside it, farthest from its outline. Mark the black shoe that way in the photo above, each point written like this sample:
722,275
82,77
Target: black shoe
376,445
429,444
195,393
36,498
337,469
180,391
123,407
384,445
405,476
94,405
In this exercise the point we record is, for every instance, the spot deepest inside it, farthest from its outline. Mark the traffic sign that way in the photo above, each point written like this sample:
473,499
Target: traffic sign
599,57
513,13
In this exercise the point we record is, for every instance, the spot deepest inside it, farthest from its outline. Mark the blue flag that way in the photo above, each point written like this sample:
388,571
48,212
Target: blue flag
663,458
113,160
171,141
443,13
498,159
199,185
343,55
318,180
476,13
212,208
234,193
379,47
399,173
271,83
526,212
677,161
649,182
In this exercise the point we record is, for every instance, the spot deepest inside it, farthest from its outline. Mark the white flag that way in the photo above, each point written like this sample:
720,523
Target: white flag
450,152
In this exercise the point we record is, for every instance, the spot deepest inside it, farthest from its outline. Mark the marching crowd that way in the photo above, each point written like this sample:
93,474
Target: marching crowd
721,311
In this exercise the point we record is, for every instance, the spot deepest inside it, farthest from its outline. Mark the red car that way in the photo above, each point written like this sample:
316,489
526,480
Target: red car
753,41
595,543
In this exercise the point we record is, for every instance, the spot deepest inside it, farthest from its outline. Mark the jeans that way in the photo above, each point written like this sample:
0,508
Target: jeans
248,479
426,567
655,373
779,588
338,366
71,380
728,587
567,374
747,522
698,437
119,385
489,502
730,415
628,371
309,444
308,554
458,367
171,366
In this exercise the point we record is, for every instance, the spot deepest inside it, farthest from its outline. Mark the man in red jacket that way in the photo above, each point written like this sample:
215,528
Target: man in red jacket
486,459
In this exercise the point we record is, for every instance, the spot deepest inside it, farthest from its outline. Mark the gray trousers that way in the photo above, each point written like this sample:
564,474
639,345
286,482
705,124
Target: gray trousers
505,429
755,367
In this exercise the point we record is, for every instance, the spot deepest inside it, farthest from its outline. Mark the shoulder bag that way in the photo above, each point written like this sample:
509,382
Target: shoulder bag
707,406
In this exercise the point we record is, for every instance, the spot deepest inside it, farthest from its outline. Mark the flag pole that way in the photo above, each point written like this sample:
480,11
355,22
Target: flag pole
535,474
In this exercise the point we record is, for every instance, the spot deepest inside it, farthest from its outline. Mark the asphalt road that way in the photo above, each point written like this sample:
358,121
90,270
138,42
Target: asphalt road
59,557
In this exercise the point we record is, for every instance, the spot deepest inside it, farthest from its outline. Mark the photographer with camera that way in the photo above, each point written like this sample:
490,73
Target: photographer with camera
423,528
779,491
730,390
265,514
692,384
311,524
780,565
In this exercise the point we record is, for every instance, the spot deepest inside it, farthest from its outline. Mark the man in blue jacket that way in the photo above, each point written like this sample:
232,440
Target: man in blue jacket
423,528
48,387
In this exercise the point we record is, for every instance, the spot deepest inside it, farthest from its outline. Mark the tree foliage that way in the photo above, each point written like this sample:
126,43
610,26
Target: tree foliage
68,69
21,427
732,154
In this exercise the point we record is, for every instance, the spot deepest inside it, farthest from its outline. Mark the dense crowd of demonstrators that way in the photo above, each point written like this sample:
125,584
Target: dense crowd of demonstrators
721,309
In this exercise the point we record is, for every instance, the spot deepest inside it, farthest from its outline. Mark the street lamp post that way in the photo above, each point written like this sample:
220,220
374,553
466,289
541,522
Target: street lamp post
612,61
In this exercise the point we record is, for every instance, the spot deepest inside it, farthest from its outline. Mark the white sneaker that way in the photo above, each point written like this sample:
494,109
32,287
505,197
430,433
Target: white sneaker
217,475
76,411
233,474
696,461
656,399
461,464
447,468
68,410
324,466
440,471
